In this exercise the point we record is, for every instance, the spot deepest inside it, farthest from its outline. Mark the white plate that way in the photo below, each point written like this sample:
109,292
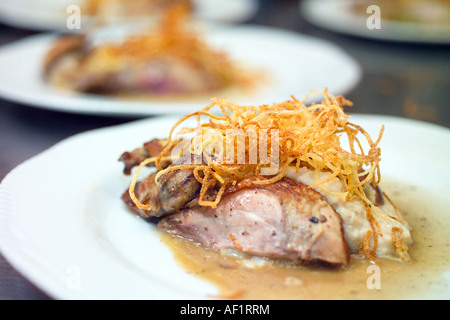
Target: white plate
52,14
294,63
226,10
64,227
335,15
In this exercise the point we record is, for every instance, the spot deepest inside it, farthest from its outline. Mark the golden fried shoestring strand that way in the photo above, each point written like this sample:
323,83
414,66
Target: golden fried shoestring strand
375,232
399,244
295,135
399,215
135,179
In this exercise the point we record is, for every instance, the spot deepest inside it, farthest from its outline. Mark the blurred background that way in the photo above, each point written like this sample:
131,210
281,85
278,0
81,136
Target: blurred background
404,74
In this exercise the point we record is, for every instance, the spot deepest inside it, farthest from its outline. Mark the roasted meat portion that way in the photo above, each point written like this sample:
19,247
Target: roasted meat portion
166,59
66,46
285,189
284,220
150,149
66,66
173,192
159,77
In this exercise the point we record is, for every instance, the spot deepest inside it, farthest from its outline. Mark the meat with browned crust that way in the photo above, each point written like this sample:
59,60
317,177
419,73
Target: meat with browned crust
285,220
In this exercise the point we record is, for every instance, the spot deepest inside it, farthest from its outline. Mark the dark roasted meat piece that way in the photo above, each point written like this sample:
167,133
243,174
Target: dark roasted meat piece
150,149
177,188
64,45
173,192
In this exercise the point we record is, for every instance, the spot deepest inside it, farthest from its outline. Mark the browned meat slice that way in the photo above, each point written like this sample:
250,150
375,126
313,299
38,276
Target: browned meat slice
150,149
284,220
159,77
63,46
147,191
68,68
174,191
177,188
379,200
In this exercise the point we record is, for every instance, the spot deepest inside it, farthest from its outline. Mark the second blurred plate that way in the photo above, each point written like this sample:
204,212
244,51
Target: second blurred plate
350,17
295,64
52,15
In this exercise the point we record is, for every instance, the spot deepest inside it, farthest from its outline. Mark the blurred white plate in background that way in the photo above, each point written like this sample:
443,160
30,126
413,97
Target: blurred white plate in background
294,64
338,16
52,15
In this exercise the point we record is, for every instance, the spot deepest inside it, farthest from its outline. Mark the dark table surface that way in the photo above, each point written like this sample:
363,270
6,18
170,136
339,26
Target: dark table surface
399,79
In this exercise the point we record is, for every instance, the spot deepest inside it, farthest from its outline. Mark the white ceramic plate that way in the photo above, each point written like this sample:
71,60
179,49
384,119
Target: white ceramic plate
293,63
52,14
63,226
335,15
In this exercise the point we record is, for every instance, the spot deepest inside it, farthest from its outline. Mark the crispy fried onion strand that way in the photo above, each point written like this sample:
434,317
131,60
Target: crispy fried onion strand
400,245
306,136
